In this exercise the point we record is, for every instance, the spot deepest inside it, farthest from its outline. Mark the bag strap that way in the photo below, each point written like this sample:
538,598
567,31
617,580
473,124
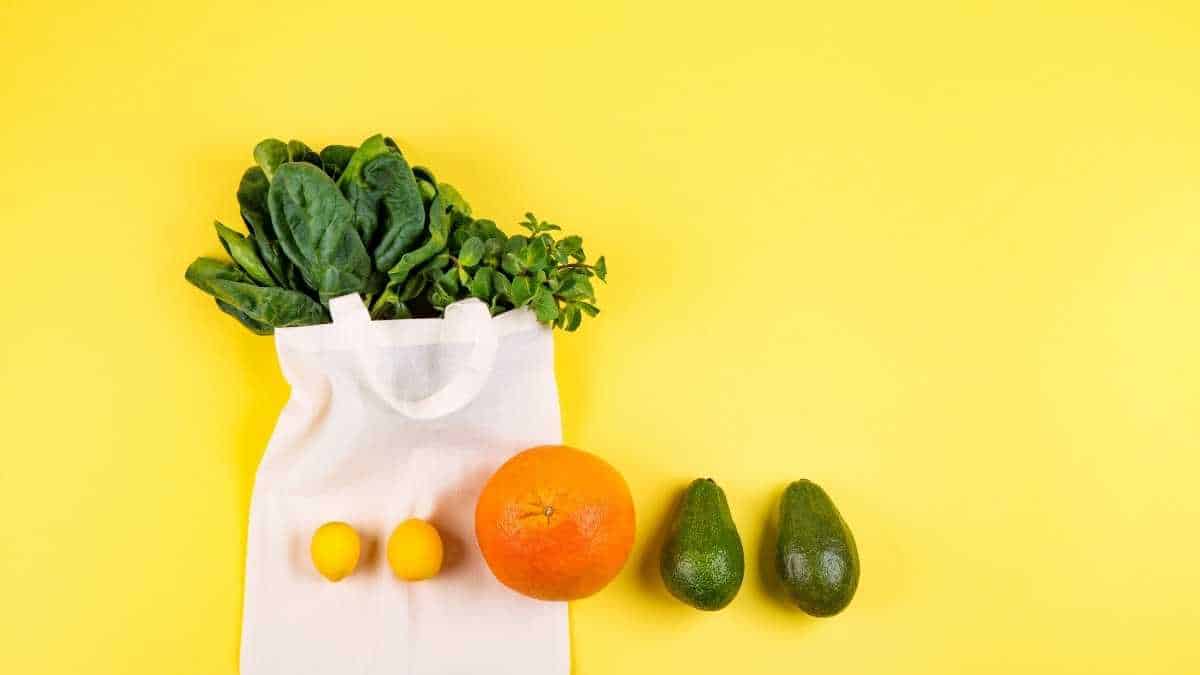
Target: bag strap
465,321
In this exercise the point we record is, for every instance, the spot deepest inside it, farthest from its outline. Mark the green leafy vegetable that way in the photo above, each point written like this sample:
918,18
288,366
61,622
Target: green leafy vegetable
270,155
391,190
370,149
471,253
299,152
439,231
244,254
257,327
315,228
263,305
252,198
334,159
362,220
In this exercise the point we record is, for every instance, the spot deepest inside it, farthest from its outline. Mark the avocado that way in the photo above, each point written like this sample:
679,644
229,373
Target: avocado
702,561
815,556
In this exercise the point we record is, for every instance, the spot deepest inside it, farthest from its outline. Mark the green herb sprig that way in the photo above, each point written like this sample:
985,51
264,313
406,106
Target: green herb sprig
360,219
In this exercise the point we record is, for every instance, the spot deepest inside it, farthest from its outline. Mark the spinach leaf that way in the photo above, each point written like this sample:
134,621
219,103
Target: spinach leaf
402,212
439,232
334,159
423,174
453,199
256,327
426,183
270,305
383,192
299,152
386,201
369,150
243,253
267,305
270,154
315,228
385,306
252,198
203,271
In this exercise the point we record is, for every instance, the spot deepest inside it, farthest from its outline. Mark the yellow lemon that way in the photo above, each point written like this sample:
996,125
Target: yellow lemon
415,550
335,548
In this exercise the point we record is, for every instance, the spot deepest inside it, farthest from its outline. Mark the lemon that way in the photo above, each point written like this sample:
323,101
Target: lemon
335,549
415,550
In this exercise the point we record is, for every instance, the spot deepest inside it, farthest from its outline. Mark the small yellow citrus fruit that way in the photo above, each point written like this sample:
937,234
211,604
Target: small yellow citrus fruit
415,550
335,548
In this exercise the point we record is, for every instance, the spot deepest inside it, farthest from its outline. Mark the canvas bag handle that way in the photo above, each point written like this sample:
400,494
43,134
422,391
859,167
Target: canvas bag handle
466,321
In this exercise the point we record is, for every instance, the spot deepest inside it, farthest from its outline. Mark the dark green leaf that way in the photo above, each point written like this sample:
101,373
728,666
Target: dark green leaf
424,174
453,199
204,270
414,287
376,282
315,228
299,152
244,254
435,266
267,305
589,309
370,149
334,159
426,183
273,306
252,198
385,196
439,233
601,269
270,154
384,307
256,327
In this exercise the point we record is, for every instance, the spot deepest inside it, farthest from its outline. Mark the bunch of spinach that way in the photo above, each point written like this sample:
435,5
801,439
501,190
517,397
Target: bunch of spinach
361,220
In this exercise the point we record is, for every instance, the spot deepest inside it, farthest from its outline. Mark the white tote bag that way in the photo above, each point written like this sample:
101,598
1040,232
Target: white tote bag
389,420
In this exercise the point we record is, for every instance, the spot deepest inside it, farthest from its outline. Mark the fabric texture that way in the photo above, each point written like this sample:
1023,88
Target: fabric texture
390,420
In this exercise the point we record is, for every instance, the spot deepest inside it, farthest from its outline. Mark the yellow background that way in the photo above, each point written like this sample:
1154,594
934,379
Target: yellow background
941,258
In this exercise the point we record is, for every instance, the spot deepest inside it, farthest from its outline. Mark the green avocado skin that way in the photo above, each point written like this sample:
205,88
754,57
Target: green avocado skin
702,560
816,557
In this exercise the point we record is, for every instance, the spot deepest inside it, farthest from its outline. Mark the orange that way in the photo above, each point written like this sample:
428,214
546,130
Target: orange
555,523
